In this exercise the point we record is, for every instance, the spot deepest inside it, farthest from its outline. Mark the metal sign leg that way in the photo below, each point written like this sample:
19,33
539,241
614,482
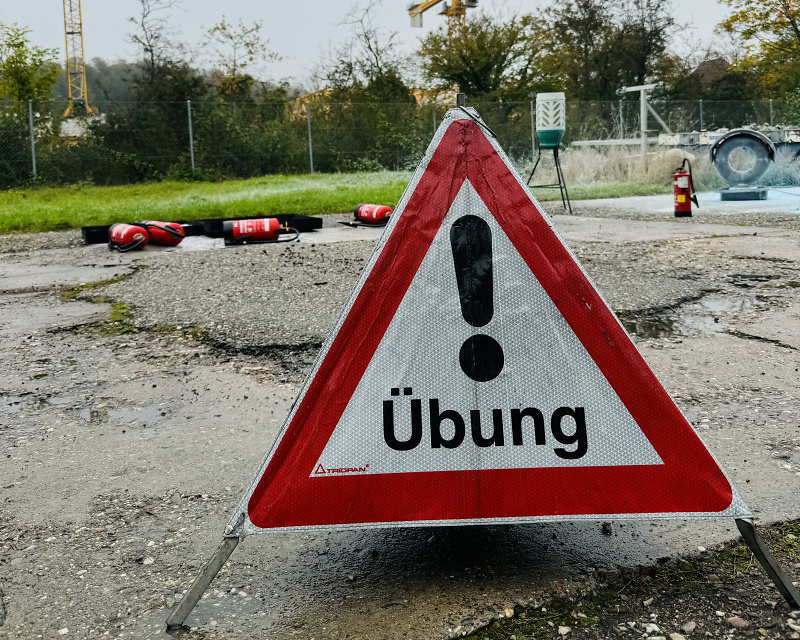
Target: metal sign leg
561,184
187,603
767,560
535,164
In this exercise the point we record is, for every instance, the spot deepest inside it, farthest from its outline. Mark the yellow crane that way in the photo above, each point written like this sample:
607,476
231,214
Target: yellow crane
455,11
76,67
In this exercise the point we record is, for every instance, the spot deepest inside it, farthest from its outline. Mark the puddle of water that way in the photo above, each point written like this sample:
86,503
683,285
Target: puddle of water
142,415
15,404
703,317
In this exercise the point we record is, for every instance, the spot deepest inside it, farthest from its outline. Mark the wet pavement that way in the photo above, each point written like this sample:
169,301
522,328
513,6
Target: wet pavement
128,445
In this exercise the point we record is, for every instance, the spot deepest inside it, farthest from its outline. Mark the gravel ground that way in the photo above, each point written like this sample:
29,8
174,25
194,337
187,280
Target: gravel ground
128,443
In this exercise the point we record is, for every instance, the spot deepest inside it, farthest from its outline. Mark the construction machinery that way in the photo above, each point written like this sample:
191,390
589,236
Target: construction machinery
455,11
76,67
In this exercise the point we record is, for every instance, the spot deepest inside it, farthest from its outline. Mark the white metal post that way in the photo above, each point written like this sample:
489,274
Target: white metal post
643,118
533,130
33,137
310,148
191,135
643,109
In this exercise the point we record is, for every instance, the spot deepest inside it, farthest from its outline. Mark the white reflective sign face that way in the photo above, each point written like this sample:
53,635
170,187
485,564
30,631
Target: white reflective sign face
416,410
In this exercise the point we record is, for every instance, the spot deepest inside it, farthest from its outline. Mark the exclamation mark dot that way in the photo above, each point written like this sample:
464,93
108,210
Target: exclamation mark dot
481,356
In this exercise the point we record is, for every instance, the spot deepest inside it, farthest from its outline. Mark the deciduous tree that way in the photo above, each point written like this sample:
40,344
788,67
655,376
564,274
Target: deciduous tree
488,58
27,72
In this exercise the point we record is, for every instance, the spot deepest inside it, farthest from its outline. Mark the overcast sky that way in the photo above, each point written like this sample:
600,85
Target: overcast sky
299,30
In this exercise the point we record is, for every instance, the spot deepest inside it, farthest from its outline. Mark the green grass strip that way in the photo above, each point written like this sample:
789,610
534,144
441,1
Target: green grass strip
54,209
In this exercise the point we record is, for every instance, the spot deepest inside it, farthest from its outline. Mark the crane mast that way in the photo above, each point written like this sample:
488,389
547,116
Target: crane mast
76,67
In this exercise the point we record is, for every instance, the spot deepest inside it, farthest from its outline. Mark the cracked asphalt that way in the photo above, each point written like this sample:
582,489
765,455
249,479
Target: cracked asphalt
127,444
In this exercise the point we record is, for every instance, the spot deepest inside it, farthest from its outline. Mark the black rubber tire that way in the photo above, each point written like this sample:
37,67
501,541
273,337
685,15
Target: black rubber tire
734,177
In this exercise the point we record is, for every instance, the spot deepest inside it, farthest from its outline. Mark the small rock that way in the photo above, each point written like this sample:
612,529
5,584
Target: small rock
657,638
792,625
763,632
509,612
608,528
795,636
739,623
583,616
351,577
63,632
701,549
713,578
676,636
689,627
563,631
148,560
721,614
175,497
652,628
648,602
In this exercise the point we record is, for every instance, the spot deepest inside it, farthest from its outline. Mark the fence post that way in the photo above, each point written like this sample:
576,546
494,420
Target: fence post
702,125
191,135
643,121
310,148
771,116
434,118
33,137
621,121
533,130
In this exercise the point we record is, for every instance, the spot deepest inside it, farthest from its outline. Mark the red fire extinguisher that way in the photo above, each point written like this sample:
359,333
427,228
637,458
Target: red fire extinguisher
127,237
168,234
684,190
369,215
259,230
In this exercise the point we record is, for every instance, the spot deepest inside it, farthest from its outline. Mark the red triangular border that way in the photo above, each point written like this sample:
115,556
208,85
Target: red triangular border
287,496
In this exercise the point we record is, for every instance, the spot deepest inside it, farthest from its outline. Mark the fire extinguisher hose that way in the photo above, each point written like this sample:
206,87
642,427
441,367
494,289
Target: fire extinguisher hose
693,194
124,248
291,235
170,230
286,234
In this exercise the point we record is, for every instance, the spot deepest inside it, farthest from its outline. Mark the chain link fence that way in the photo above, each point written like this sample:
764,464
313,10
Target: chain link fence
131,142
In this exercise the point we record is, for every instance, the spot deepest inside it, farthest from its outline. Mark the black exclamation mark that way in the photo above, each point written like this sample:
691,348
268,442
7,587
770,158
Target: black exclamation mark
481,356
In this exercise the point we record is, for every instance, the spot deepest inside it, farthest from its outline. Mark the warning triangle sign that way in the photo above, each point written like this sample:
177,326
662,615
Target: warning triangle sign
477,376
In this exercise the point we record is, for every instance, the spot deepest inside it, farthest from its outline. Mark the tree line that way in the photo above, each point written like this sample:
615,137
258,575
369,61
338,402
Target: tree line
364,114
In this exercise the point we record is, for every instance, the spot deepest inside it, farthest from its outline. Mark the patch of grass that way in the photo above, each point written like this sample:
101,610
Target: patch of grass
53,209
120,312
119,321
70,293
195,332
